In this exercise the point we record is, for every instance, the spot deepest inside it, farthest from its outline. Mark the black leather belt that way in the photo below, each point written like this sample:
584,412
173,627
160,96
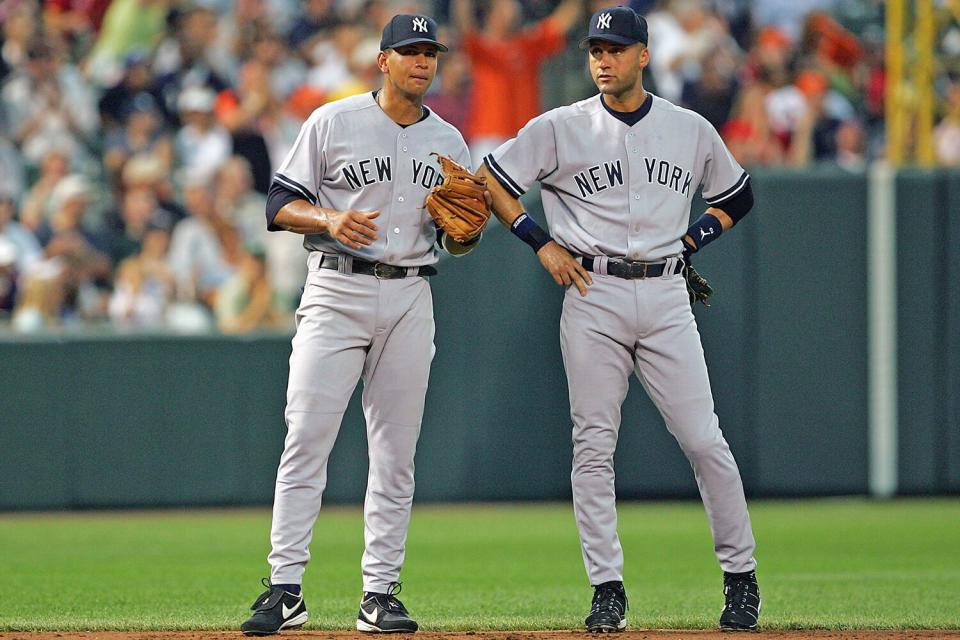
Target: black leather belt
379,269
629,269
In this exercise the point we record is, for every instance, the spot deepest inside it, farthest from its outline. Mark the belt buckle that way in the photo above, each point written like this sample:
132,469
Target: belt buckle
643,273
381,275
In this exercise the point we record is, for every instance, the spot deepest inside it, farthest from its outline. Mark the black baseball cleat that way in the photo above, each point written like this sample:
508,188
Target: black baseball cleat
274,610
608,612
742,609
384,613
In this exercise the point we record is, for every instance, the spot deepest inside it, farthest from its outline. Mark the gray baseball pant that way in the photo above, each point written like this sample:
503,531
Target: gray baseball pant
644,326
351,326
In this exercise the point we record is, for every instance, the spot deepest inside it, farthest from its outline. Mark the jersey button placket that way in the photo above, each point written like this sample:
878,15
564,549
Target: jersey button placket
635,198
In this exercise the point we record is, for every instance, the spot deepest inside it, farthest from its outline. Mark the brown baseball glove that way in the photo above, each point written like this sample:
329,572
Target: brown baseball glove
458,206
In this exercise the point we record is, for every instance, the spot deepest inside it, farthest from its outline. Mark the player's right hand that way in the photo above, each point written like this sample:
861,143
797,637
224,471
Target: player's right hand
565,269
354,229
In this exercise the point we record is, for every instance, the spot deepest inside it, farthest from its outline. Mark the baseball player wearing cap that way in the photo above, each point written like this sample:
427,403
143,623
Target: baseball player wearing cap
354,185
618,173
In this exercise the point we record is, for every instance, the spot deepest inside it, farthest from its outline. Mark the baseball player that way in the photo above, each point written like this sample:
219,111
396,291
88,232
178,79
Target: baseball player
618,172
354,185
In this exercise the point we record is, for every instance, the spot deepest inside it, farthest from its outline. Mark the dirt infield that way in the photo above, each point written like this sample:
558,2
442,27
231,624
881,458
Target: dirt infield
650,634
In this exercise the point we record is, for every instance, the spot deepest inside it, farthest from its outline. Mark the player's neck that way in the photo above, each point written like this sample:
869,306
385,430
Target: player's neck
401,108
629,100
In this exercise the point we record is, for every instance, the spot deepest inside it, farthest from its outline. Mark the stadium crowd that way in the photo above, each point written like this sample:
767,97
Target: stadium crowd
138,137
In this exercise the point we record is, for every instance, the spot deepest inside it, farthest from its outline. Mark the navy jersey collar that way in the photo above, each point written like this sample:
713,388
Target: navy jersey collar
630,118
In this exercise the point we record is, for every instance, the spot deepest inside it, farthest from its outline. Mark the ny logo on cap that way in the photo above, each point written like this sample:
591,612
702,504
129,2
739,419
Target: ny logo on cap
420,24
603,21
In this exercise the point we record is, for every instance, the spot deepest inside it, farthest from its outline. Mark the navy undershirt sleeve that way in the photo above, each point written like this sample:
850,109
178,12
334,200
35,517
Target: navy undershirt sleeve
738,205
277,197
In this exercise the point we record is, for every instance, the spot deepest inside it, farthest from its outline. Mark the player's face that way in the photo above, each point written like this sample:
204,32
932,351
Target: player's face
615,68
410,68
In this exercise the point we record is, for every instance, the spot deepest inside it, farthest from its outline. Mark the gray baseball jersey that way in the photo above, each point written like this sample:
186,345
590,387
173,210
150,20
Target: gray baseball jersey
351,155
611,190
614,190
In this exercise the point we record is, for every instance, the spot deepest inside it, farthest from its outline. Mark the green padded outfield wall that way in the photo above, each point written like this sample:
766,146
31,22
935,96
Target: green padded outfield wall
93,421
928,232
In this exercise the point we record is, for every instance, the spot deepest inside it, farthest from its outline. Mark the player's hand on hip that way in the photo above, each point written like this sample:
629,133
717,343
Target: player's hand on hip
352,228
565,269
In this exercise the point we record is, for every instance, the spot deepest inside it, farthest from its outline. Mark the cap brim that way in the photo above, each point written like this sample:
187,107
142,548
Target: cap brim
585,43
404,43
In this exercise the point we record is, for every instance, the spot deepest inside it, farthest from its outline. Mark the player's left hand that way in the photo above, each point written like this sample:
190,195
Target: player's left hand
565,269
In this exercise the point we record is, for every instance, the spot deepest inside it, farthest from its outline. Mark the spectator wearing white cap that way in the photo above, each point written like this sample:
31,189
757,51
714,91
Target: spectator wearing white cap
202,144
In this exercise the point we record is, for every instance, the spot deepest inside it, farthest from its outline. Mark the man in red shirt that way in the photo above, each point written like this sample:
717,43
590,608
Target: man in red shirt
506,62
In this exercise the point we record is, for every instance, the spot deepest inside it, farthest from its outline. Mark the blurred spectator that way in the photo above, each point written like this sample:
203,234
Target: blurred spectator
119,101
242,206
788,15
681,37
202,144
244,209
713,93
317,19
250,112
504,54
196,256
40,299
148,171
245,302
12,179
84,270
139,213
451,98
142,134
144,285
128,25
24,245
9,274
49,106
851,146
337,59
947,132
286,71
182,60
748,133
19,30
805,116
35,210
75,22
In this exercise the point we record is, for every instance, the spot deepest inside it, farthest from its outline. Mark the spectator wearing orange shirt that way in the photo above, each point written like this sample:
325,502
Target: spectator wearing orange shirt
506,62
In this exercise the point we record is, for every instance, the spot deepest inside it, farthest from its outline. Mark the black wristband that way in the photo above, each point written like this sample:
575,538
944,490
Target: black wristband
527,229
705,230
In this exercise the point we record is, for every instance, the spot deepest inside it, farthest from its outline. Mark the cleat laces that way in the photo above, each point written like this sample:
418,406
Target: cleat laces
606,599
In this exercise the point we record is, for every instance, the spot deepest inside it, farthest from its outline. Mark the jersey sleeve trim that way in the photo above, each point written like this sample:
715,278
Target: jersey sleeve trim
503,178
729,193
293,185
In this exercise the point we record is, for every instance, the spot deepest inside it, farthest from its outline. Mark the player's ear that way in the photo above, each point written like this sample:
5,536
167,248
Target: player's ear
382,60
644,56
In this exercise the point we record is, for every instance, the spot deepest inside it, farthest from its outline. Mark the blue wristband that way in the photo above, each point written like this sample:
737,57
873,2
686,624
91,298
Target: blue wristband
527,229
705,230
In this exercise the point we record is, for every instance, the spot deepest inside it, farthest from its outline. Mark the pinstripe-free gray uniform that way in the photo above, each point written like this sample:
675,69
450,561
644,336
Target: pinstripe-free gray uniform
351,155
610,190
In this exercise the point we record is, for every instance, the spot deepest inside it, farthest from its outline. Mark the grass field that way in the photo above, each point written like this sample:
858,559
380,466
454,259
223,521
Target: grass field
841,564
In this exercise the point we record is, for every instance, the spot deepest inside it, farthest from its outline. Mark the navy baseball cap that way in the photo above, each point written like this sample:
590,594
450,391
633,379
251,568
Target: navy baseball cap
621,25
407,29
